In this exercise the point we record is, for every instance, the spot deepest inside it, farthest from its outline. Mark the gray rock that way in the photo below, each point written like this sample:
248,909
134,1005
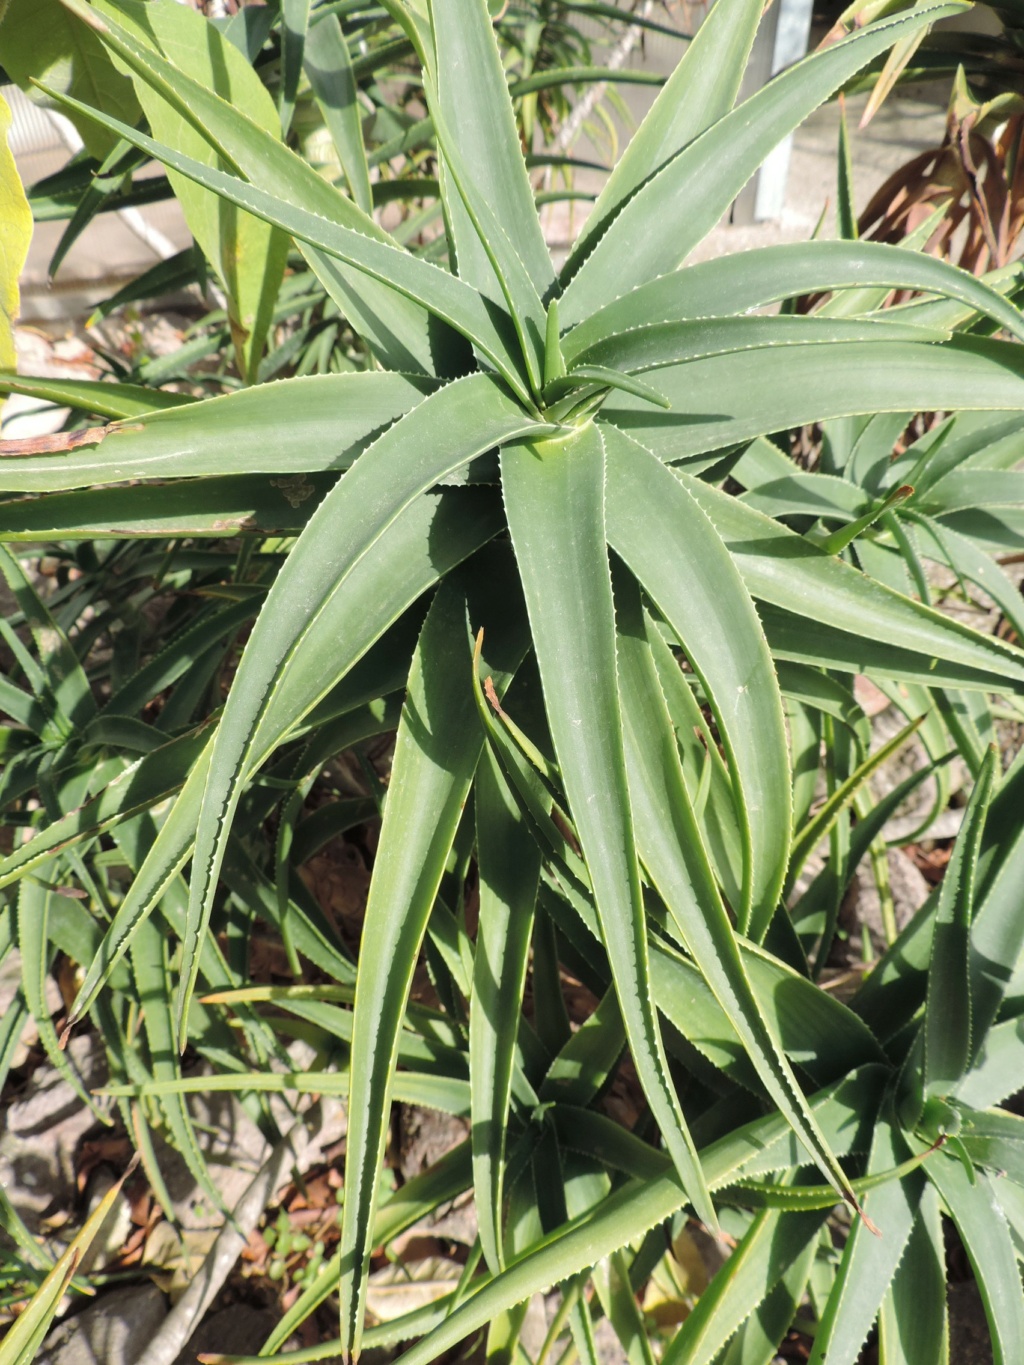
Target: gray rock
113,1331
41,1130
233,1148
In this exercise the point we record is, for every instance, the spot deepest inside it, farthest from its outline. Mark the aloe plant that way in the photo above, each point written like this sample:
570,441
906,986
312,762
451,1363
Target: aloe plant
535,462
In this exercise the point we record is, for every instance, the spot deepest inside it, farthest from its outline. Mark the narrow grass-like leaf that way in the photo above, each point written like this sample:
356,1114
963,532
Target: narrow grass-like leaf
555,502
23,1340
808,838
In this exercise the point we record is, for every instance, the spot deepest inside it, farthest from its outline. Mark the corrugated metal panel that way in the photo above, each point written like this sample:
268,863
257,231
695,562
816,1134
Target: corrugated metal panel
32,131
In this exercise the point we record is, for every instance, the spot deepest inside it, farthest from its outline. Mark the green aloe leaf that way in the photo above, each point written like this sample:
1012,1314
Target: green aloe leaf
996,930
400,566
509,867
700,91
644,1201
673,854
21,1344
947,1021
432,289
658,345
871,1254
336,415
776,565
914,1323
109,400
985,1235
328,64
294,25
758,1340
43,42
469,76
775,1241
437,751
554,498
750,279
448,429
722,400
696,187
400,330
675,552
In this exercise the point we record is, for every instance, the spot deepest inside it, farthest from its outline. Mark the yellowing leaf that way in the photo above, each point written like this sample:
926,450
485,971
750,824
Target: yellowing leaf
248,255
15,235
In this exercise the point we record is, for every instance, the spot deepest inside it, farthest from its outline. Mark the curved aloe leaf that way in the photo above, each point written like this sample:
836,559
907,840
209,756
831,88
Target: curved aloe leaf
94,395
397,326
439,743
248,256
700,91
672,851
644,1201
914,1322
448,429
659,345
443,295
751,279
469,76
696,187
775,1240
337,415
785,570
722,400
983,1230
402,565
509,867
554,499
947,1020
678,556
869,1260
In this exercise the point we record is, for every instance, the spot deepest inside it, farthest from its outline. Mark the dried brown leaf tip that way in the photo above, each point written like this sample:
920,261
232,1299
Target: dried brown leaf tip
58,444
